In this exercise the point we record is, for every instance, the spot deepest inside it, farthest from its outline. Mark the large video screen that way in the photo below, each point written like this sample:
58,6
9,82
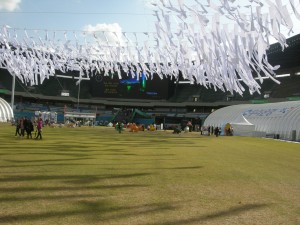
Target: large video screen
130,86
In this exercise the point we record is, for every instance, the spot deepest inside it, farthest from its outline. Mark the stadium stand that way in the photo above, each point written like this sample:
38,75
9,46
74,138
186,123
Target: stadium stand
182,100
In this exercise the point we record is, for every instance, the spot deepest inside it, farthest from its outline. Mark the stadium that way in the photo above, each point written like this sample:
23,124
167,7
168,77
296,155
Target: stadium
171,102
120,147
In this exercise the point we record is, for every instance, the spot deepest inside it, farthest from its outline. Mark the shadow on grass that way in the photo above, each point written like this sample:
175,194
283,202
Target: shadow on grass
184,168
48,154
224,213
93,179
54,197
75,164
46,160
118,154
71,178
68,188
158,155
93,211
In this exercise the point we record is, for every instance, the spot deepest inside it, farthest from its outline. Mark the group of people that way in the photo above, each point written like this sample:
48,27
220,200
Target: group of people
210,130
26,125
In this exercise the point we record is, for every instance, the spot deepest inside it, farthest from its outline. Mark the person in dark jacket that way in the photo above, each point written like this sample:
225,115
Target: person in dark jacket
22,126
18,127
29,128
217,131
39,128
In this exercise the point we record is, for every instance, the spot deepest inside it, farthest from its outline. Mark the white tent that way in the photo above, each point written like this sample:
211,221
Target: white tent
281,119
242,127
51,117
6,112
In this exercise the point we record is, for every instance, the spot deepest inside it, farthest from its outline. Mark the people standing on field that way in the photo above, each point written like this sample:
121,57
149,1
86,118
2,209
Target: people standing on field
23,124
217,131
29,128
18,127
22,127
39,128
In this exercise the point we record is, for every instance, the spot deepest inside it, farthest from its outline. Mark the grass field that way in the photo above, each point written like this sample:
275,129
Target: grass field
96,176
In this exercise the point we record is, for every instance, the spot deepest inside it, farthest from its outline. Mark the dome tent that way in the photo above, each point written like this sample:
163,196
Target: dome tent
282,118
6,112
242,127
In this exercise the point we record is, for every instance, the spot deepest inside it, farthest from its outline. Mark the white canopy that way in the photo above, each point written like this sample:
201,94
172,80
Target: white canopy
6,112
241,120
272,118
242,127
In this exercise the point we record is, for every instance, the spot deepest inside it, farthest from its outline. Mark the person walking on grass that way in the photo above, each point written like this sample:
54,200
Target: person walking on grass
22,126
29,129
18,127
217,131
39,128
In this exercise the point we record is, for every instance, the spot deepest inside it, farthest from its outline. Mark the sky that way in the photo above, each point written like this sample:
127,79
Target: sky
78,15
30,21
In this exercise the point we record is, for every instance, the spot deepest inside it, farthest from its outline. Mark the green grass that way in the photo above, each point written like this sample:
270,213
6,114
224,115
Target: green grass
96,176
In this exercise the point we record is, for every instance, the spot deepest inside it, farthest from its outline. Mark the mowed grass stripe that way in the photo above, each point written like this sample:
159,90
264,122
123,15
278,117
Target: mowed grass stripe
94,175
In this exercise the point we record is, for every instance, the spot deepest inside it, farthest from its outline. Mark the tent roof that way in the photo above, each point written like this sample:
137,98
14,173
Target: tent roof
6,112
241,120
279,118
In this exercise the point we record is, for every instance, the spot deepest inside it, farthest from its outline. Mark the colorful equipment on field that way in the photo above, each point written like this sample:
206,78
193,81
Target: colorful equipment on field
152,127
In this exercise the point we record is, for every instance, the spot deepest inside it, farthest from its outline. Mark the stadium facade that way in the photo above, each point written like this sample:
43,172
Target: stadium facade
167,100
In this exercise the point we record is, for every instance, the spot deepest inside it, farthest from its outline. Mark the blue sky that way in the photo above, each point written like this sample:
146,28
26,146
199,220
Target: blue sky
68,18
131,15
126,15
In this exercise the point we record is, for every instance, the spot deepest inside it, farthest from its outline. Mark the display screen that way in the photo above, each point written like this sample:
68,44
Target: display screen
130,86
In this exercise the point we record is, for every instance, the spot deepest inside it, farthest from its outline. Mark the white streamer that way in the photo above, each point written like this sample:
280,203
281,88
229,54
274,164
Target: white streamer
221,58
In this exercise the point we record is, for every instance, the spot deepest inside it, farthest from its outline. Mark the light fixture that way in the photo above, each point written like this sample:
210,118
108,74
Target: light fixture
258,78
185,82
283,75
82,78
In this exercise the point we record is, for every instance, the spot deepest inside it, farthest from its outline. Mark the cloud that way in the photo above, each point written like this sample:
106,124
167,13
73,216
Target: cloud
106,33
9,5
149,4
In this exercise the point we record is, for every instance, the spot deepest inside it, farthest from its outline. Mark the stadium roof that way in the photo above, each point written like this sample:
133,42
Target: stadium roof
287,59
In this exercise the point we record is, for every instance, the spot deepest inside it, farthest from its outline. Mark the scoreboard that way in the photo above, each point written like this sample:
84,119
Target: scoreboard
136,87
